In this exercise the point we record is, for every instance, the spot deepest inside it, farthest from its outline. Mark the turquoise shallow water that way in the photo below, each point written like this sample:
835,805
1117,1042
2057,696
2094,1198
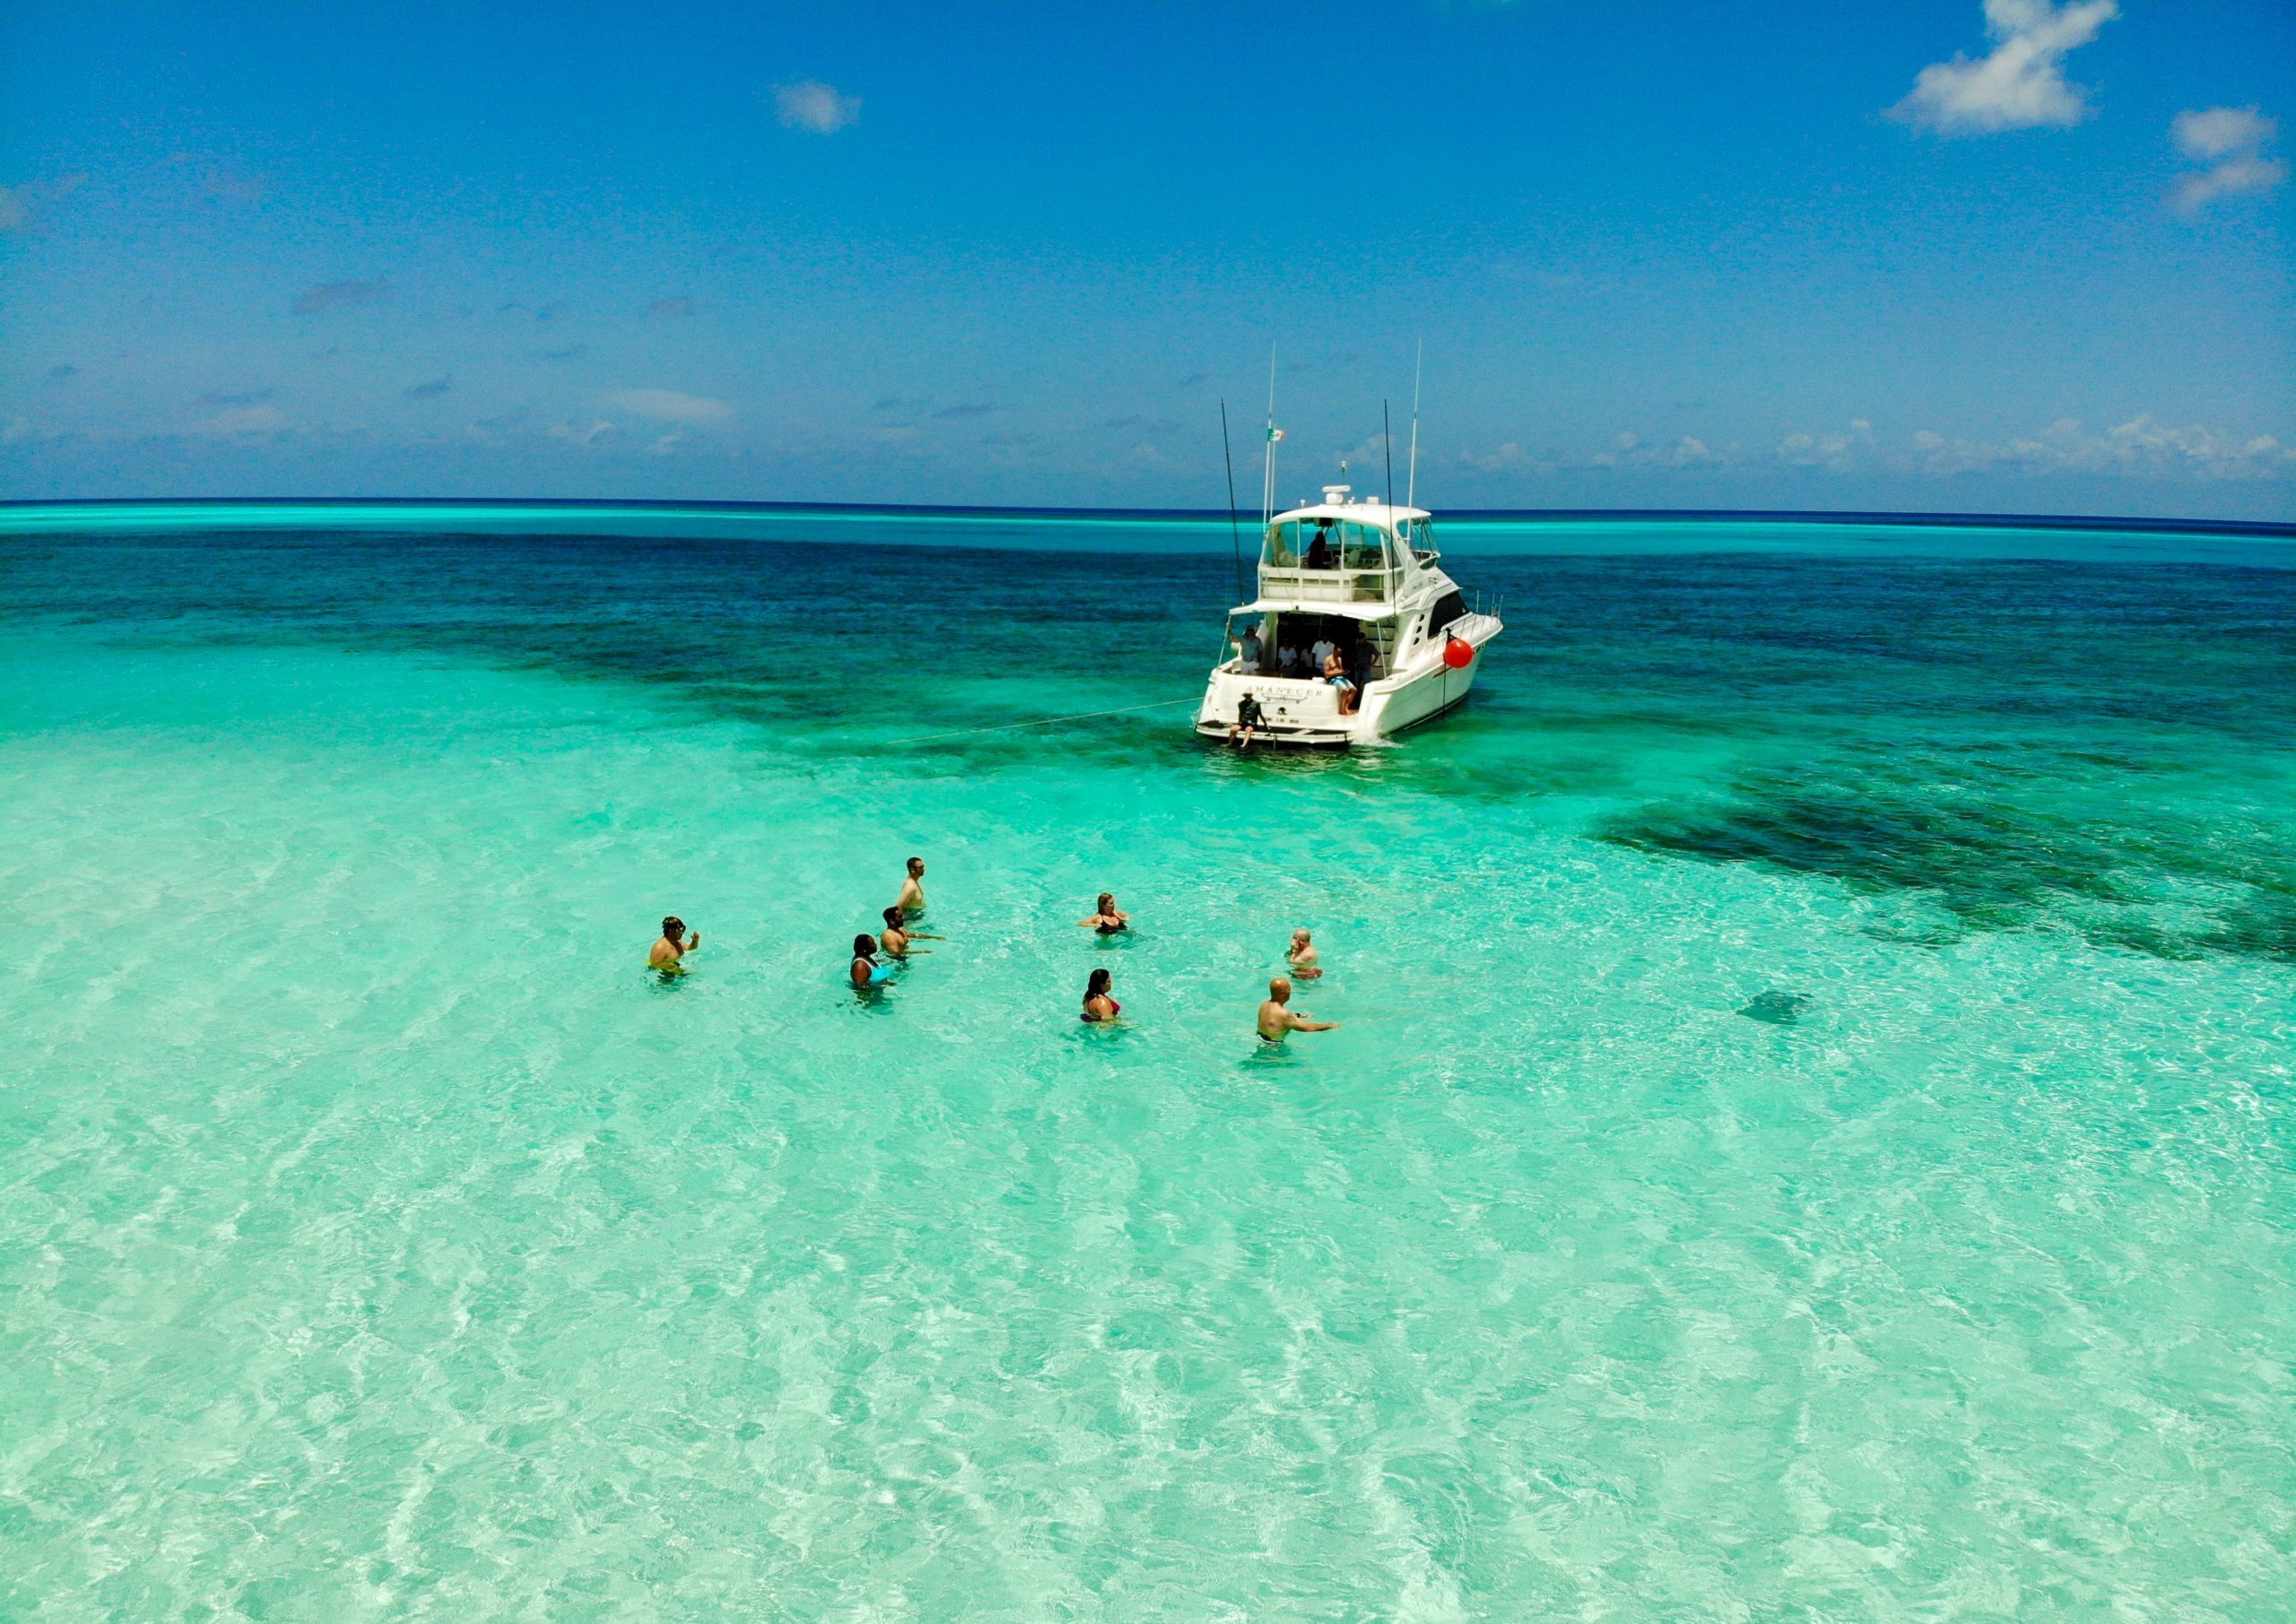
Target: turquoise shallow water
1809,1138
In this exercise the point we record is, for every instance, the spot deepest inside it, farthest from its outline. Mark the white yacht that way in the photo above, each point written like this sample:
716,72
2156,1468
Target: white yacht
1362,577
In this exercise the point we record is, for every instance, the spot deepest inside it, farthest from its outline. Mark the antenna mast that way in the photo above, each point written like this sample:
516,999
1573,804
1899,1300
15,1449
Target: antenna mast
1388,445
1411,488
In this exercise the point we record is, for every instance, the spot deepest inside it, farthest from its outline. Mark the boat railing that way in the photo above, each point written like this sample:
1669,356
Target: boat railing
1330,586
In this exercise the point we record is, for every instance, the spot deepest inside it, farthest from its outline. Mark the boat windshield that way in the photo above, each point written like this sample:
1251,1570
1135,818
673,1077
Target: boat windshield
1325,543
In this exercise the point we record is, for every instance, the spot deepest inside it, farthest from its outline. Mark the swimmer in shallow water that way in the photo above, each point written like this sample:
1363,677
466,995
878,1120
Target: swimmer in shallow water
866,972
1099,1006
911,900
1303,956
1278,1018
896,937
670,951
1108,918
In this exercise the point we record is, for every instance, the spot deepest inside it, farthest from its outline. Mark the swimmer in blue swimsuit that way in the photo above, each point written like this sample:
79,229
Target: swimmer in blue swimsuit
867,971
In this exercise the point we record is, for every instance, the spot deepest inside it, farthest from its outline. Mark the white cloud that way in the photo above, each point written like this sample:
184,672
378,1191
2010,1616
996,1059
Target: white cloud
670,406
1628,451
242,422
2021,84
581,434
2139,446
1836,451
2231,140
1509,456
811,105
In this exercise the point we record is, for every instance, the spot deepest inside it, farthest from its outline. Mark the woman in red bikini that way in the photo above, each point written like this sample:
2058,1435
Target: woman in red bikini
1098,1005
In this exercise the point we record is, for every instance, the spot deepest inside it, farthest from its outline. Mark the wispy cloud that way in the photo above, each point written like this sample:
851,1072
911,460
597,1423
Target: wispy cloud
1837,451
680,306
1628,451
20,206
2230,141
1500,460
2139,446
228,183
339,296
671,406
430,390
2021,83
811,106
246,422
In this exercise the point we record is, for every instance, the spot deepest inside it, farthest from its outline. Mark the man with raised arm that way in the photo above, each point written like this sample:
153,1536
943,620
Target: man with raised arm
1277,1016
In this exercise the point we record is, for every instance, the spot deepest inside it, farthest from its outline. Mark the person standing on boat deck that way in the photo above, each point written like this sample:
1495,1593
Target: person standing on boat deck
1320,550
674,945
1319,655
1248,648
1277,1016
1099,1006
1288,662
911,900
1302,957
896,937
1248,720
1108,918
1363,660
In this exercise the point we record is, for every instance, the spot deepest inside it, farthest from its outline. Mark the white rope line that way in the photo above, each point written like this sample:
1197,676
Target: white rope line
1085,716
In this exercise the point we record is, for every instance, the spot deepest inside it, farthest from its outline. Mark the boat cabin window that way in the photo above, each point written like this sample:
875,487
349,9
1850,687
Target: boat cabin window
1325,544
1447,608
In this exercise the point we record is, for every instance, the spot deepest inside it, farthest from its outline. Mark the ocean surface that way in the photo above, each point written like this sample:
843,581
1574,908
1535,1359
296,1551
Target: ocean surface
1810,1136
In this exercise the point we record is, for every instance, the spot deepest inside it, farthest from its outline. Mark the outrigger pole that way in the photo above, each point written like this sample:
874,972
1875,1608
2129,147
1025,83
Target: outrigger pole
1411,490
1235,532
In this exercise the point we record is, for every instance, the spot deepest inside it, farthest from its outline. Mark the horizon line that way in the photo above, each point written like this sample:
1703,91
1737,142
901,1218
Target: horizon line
20,508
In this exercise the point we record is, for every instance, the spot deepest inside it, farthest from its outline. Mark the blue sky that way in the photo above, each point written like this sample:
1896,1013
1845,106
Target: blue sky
1967,254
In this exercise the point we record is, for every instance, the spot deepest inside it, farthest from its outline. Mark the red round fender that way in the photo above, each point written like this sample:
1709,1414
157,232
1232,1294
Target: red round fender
1458,654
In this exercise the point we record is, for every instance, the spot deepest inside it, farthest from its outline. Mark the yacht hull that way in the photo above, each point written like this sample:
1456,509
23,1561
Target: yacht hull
1304,715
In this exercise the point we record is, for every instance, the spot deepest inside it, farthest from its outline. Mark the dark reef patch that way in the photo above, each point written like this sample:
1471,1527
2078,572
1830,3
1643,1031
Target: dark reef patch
2153,883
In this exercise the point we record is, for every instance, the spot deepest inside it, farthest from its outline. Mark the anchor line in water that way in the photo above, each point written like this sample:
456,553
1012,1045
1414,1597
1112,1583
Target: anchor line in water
1082,716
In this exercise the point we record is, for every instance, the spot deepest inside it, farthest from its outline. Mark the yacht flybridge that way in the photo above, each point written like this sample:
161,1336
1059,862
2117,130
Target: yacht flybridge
1358,579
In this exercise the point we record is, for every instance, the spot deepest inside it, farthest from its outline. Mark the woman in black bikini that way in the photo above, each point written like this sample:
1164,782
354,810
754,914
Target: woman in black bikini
1099,1007
1108,918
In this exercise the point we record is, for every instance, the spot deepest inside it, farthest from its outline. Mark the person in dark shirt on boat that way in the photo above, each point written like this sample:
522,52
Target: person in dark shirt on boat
1249,719
669,952
1320,550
